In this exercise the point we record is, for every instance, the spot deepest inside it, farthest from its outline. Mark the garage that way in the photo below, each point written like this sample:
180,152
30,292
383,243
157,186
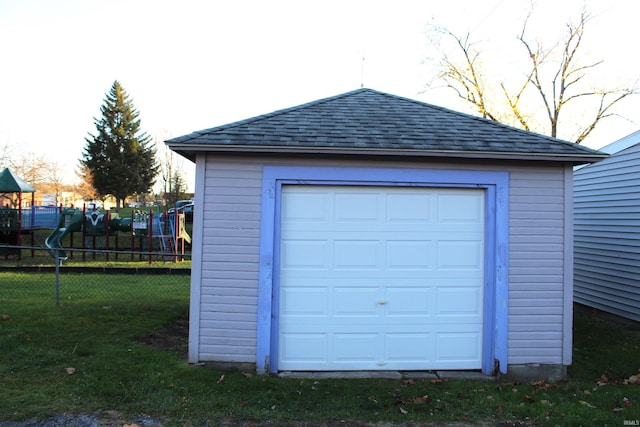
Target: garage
367,232
380,278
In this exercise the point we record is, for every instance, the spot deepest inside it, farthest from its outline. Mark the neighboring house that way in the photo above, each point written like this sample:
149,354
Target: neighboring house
370,232
70,198
607,230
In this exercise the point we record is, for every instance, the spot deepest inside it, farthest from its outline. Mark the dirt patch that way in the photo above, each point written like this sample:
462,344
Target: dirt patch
172,338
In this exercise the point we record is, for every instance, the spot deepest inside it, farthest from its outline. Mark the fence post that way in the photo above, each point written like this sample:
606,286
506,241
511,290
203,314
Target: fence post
57,253
107,222
150,232
133,238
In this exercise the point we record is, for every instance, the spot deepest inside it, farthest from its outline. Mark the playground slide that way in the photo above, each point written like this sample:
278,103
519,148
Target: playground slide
70,221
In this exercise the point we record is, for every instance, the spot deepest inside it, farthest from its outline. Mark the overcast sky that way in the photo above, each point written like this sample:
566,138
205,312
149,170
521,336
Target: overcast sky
191,65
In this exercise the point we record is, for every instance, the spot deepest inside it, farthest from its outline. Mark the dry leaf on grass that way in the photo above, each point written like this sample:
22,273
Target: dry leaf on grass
420,400
603,380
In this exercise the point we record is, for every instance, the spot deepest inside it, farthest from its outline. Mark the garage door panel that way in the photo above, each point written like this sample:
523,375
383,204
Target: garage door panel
356,207
395,279
409,207
408,254
350,301
459,302
304,301
306,347
456,255
413,347
461,347
374,350
357,254
305,207
460,207
355,347
305,254
409,302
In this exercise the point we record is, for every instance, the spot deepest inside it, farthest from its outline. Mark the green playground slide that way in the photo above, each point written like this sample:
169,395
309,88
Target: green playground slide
70,221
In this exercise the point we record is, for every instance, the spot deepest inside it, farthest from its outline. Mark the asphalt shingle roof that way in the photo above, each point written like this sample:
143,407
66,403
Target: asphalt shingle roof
370,122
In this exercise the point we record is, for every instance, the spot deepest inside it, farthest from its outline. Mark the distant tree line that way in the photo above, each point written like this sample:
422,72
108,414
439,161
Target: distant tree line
118,161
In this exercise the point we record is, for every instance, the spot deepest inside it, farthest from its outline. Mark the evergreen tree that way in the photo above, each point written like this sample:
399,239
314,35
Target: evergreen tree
120,158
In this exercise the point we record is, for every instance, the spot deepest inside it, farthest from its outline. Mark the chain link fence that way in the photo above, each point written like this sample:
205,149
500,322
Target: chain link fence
92,276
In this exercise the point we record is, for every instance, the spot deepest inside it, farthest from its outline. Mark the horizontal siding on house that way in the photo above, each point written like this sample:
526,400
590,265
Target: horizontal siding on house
607,234
231,239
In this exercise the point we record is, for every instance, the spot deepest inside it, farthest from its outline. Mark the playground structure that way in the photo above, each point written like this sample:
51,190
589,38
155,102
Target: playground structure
145,234
160,233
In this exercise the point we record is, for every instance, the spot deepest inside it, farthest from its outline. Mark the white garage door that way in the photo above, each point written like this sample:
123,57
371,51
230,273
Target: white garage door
380,278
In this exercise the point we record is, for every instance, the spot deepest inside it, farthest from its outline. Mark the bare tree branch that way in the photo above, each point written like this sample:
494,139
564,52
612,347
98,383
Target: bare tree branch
514,104
464,79
556,76
603,111
538,57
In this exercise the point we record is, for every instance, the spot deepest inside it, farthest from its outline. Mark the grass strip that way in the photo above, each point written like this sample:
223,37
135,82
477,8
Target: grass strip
87,356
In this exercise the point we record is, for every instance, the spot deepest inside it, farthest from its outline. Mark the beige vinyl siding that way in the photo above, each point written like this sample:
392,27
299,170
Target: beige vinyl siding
230,248
536,265
230,242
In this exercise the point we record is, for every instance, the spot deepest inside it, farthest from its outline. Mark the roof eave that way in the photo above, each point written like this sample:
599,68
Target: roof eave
189,151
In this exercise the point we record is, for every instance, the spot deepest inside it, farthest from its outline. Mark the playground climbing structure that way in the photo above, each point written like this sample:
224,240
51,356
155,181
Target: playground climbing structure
144,232
149,234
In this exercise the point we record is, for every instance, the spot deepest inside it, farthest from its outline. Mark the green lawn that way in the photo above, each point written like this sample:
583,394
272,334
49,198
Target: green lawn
87,356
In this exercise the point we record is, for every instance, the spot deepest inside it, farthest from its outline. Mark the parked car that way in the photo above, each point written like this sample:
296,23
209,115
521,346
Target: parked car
181,203
186,208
